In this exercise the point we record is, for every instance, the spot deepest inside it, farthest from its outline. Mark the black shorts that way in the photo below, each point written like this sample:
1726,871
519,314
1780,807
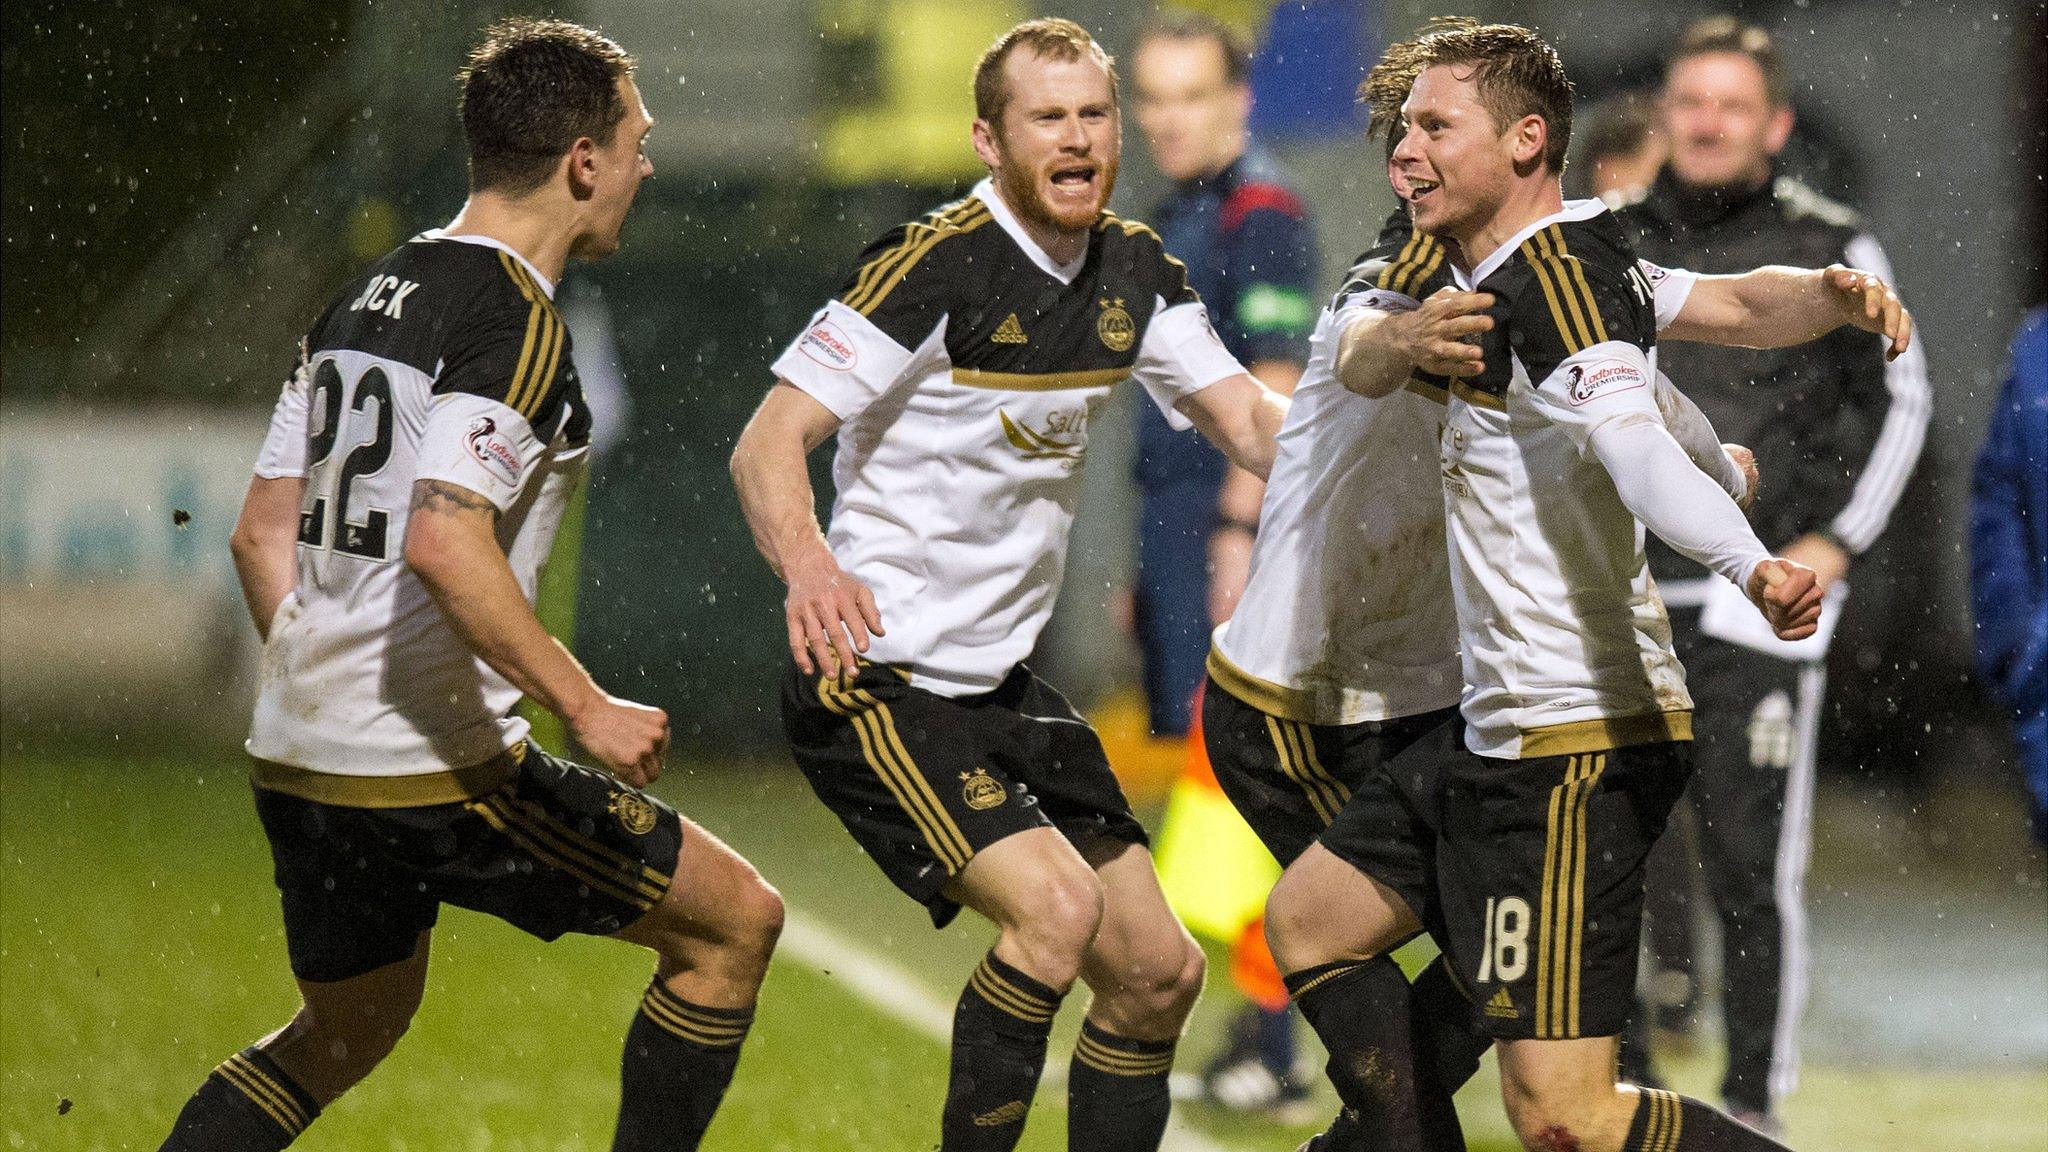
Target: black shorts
1297,784
1540,864
925,781
557,848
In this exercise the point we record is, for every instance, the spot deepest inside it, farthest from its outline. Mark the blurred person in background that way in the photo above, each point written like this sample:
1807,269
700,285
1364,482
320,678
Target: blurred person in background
415,473
1248,241
1843,426
2009,555
1622,150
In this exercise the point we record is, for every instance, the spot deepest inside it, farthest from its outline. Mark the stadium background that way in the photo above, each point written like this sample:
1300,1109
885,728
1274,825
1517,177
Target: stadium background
186,184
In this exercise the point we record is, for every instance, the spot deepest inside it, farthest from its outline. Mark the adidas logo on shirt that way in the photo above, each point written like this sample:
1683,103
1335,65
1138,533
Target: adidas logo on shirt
1010,331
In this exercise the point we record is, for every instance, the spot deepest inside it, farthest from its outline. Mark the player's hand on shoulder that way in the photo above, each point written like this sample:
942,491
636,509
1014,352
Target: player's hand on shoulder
830,615
630,740
1789,595
1745,462
1437,337
1870,304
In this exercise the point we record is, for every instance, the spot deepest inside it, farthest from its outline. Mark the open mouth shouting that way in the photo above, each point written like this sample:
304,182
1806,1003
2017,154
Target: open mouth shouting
1077,183
1418,189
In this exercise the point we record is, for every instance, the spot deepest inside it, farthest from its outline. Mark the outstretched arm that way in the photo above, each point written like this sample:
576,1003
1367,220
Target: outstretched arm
1776,306
829,613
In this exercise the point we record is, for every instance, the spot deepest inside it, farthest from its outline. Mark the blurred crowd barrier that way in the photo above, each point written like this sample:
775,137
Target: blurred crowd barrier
116,587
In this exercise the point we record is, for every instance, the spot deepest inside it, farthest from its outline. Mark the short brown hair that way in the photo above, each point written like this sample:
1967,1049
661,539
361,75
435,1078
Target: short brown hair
529,92
1050,37
1181,24
1617,126
1718,34
1517,74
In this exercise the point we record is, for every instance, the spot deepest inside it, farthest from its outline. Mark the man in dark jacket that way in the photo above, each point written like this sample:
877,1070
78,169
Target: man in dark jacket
1841,428
2009,554
1249,245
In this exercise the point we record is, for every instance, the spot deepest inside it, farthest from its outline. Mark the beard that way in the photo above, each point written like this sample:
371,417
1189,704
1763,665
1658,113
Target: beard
1022,193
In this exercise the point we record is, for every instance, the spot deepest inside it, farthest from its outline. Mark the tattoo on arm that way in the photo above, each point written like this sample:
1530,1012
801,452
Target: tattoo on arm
441,496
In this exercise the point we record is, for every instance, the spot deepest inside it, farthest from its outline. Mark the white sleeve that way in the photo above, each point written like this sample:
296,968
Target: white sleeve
284,446
843,361
1595,385
1181,355
1695,433
1676,500
479,444
1904,432
1669,288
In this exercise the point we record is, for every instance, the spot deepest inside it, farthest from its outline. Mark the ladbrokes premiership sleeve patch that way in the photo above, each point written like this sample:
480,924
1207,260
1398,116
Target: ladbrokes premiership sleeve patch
1596,385
480,444
843,361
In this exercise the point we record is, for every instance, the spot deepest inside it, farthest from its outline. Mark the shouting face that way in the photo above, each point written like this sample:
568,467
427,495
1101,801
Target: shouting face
1054,146
610,176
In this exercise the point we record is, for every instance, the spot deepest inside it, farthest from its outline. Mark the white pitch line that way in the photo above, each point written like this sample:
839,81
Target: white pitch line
895,992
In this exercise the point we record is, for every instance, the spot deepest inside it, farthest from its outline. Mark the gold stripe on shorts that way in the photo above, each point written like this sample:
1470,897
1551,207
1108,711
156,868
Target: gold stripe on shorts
1561,915
1298,763
882,747
596,865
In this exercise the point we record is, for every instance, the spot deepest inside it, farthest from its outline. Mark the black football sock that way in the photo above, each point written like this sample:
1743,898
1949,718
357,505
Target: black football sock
248,1104
999,1032
1117,1098
679,1059
1364,1014
1444,1036
1668,1122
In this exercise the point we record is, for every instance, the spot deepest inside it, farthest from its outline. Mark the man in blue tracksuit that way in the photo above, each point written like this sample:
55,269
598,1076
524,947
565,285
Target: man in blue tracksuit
1247,241
2009,554
1250,250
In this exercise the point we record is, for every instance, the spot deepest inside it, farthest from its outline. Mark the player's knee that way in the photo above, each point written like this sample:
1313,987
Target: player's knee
1175,996
739,941
1296,925
760,914
1055,932
1548,1120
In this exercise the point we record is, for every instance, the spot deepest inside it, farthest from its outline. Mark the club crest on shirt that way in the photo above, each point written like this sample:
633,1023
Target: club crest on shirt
635,813
982,791
492,450
1585,381
828,345
1115,326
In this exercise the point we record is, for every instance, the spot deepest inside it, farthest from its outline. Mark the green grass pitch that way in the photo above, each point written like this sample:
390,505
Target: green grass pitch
140,943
